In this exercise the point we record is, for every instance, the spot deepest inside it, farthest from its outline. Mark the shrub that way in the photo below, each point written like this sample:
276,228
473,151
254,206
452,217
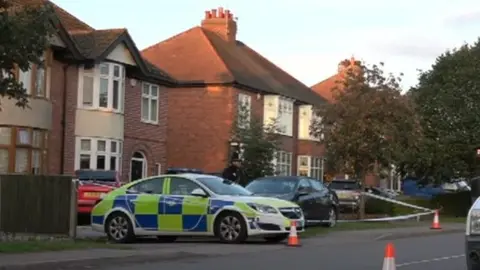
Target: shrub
376,206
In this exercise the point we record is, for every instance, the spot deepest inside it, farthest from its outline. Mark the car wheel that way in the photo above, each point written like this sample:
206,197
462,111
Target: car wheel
166,238
230,227
119,229
332,218
276,238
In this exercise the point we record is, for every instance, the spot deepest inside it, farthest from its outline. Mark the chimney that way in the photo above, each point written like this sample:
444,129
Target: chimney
221,22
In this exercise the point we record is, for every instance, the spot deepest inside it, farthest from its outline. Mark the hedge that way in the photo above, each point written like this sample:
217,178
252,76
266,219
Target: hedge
451,204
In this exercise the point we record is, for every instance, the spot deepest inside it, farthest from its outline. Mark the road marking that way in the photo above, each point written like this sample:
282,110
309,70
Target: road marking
431,260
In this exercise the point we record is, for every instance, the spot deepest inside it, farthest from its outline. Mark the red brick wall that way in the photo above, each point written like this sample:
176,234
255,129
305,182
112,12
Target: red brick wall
58,76
199,127
149,139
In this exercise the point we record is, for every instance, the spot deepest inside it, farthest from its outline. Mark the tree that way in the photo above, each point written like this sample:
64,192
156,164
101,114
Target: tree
370,122
258,144
447,99
25,32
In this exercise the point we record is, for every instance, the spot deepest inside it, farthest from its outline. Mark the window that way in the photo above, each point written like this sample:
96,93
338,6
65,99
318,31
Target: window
35,80
158,168
152,186
244,110
23,150
150,94
102,87
307,116
311,167
98,154
182,186
304,185
316,185
283,163
279,109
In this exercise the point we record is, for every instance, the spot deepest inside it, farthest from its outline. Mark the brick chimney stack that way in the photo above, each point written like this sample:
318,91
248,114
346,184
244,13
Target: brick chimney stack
221,22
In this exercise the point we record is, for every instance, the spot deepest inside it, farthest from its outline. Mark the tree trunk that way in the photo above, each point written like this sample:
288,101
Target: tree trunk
361,203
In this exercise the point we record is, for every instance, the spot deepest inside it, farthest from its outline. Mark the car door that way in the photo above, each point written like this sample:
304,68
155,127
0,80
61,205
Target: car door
142,201
306,200
322,198
182,211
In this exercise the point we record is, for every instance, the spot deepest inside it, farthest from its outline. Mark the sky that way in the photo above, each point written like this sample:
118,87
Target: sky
307,38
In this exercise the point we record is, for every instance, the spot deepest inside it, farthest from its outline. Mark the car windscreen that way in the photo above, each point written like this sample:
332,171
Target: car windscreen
272,186
104,176
222,186
344,185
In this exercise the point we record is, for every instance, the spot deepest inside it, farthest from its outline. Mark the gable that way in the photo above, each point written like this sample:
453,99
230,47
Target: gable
56,40
121,54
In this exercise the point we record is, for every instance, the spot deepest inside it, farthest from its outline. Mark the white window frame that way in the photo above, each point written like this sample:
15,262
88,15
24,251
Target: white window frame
307,116
279,163
150,97
310,167
95,74
158,168
281,110
93,152
245,101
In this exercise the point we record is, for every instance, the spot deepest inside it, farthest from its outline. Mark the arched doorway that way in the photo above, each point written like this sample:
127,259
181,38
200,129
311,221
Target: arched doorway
138,166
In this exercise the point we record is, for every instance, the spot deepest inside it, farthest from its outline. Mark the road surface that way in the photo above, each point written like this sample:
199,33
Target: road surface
437,252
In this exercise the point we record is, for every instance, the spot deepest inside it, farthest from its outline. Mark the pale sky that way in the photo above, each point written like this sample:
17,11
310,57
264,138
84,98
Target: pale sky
307,38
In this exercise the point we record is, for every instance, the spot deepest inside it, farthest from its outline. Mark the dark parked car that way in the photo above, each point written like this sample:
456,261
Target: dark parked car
317,201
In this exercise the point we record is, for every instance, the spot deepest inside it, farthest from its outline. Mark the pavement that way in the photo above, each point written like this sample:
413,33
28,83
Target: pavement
417,248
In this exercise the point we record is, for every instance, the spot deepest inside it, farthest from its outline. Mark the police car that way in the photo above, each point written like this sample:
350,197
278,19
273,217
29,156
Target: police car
173,205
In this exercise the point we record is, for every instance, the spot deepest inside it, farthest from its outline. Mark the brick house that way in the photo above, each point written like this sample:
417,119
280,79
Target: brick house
217,72
326,88
95,104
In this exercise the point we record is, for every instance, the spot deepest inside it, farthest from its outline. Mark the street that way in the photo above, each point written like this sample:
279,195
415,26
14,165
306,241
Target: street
438,252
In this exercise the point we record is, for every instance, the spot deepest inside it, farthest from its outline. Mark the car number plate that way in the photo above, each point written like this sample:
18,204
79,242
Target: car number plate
342,195
92,194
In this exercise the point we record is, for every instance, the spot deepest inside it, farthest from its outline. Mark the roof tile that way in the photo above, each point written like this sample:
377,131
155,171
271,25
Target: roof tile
95,42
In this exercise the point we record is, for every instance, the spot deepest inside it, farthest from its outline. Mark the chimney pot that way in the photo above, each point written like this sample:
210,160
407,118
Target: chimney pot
208,15
220,11
214,13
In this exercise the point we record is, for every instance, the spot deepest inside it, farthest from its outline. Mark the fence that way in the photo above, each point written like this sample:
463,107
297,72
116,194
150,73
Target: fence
37,204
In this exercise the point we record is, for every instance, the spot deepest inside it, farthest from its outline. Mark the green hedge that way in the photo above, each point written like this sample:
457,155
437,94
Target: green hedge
451,204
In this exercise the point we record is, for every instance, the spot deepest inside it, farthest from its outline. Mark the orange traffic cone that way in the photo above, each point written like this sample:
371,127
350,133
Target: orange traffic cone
436,222
293,237
389,259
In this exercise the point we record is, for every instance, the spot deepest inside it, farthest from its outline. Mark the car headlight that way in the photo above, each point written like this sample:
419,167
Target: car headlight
102,195
475,222
263,208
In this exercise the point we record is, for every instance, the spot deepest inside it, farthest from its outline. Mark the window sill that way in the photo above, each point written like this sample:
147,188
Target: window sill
308,139
149,122
99,109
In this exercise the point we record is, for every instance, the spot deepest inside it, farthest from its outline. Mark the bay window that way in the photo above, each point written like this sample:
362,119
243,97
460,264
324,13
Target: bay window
102,87
23,150
279,109
98,154
150,95
310,166
36,80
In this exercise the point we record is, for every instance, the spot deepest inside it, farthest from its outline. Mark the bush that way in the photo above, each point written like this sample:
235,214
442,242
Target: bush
376,206
400,210
453,204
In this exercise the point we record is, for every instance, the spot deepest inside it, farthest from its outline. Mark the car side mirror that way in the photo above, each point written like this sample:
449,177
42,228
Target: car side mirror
198,192
302,192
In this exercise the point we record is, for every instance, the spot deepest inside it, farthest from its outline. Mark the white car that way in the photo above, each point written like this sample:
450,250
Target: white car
168,206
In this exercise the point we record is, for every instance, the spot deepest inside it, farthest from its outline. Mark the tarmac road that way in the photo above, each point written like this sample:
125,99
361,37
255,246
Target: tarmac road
435,252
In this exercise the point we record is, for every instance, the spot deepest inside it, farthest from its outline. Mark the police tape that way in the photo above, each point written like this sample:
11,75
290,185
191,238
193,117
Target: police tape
425,212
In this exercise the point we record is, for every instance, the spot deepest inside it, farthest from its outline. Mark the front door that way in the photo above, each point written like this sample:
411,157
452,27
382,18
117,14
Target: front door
183,212
137,166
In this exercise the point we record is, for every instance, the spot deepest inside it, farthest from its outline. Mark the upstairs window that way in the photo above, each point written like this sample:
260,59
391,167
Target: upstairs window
307,116
279,109
102,87
36,80
244,110
150,95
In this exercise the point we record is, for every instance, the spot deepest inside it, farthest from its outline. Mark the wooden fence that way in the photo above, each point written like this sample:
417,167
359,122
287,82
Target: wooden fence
37,204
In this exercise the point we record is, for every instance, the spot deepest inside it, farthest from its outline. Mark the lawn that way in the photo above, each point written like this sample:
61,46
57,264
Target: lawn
357,226
53,245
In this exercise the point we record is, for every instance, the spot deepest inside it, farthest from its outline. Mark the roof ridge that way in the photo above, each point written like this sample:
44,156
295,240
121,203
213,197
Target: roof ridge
212,47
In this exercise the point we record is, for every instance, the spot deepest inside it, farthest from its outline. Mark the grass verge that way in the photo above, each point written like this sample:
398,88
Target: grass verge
358,226
54,245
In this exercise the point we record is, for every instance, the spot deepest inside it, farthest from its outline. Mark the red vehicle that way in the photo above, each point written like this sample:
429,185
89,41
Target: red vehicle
92,186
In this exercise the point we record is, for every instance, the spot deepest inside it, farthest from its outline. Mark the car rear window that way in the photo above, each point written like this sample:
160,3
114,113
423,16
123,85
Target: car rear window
344,185
103,176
